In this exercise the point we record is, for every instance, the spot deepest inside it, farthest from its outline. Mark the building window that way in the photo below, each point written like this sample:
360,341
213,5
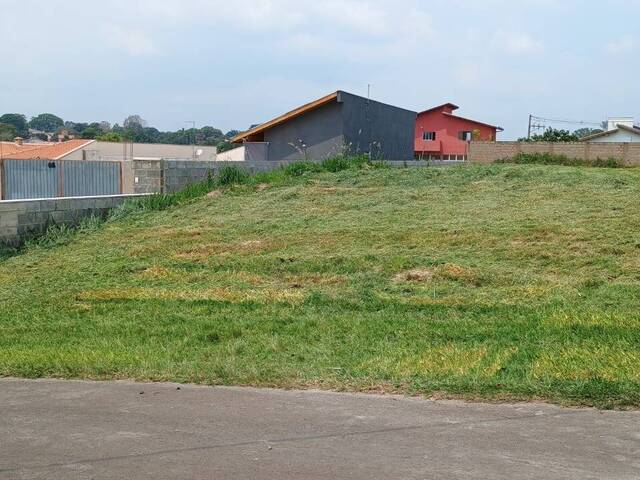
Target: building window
428,136
465,135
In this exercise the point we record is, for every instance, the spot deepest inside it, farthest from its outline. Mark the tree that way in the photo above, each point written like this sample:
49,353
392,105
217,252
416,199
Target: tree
585,132
18,121
134,122
226,145
7,132
552,135
109,137
91,132
46,122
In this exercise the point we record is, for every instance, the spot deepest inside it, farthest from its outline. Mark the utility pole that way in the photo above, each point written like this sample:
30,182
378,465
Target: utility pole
530,120
193,137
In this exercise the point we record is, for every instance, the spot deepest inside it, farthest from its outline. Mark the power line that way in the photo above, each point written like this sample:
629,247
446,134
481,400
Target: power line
537,123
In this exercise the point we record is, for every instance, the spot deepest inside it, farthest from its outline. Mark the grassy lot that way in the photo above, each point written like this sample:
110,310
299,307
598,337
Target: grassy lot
492,282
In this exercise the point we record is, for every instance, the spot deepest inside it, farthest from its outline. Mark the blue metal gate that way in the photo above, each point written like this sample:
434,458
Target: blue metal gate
60,178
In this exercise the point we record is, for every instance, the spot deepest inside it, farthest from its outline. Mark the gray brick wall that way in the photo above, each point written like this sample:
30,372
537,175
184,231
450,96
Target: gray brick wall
20,219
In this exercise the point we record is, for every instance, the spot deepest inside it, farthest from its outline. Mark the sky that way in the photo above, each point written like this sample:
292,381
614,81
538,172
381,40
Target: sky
230,64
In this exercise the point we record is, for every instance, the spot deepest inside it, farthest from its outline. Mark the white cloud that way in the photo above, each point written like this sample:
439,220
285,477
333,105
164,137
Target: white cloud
623,45
517,43
131,41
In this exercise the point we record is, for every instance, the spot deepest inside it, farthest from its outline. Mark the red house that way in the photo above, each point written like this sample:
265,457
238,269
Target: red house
441,135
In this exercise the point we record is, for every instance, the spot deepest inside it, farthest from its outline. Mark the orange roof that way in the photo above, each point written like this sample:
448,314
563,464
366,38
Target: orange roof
44,151
283,118
9,148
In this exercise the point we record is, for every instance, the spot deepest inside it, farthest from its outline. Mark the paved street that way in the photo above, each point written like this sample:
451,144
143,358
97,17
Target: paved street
121,430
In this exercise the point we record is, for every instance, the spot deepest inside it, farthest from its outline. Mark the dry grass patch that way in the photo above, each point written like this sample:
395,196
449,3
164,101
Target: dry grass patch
448,271
214,294
443,360
610,363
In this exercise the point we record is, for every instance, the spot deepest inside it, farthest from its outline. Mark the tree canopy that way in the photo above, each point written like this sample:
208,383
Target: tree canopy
134,128
552,135
585,132
18,121
7,132
46,122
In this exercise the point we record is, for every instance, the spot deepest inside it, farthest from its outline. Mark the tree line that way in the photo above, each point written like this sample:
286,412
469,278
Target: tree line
134,129
559,135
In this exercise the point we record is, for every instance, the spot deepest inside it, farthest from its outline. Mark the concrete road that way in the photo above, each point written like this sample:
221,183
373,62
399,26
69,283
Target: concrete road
120,430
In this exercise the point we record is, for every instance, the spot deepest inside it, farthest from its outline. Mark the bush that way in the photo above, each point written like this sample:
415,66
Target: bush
551,159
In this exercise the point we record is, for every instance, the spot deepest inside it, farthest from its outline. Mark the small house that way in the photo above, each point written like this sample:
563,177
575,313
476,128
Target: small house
442,135
339,123
619,130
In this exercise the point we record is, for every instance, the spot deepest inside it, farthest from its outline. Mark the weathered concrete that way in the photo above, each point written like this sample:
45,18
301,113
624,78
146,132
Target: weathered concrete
21,219
79,430
489,152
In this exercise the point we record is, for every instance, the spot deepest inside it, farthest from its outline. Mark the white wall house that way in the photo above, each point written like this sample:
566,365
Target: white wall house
619,130
248,152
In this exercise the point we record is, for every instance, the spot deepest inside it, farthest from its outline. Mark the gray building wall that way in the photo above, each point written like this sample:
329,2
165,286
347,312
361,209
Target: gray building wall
320,129
385,131
353,125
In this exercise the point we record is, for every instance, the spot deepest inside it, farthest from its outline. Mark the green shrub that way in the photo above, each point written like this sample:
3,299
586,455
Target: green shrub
552,159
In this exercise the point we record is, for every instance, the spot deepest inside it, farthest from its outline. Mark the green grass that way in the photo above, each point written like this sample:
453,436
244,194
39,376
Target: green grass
501,282
553,159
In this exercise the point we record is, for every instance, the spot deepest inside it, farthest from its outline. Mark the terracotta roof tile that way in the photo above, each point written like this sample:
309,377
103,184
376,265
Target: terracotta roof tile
44,151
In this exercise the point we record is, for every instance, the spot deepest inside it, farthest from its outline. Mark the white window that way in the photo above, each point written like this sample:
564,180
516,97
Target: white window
428,136
466,136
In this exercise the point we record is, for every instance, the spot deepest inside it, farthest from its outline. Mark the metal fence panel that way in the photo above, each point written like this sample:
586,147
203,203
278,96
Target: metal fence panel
82,179
30,179
64,178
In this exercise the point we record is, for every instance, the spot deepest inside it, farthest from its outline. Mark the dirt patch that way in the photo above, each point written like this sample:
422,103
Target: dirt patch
155,272
261,187
418,275
214,194
448,271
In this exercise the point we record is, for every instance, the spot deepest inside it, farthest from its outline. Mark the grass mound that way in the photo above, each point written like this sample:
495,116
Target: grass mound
491,282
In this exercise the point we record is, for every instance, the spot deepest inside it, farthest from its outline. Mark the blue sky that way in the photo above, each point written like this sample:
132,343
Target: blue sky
230,64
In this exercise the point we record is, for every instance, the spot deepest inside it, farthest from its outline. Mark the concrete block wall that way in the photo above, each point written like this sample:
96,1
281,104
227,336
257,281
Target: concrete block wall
20,219
146,176
489,152
166,176
178,174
